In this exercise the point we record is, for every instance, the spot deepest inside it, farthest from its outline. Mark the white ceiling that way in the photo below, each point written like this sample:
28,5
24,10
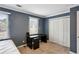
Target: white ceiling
42,10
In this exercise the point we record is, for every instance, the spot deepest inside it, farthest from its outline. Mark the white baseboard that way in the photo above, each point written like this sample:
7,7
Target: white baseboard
70,52
21,46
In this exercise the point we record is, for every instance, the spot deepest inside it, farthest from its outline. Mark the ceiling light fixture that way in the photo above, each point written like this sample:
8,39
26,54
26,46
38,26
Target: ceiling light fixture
18,5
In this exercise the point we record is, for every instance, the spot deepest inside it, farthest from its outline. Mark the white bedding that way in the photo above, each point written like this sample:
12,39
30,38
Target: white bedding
8,47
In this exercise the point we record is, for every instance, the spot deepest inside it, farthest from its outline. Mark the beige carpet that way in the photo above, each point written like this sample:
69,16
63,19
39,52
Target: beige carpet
45,48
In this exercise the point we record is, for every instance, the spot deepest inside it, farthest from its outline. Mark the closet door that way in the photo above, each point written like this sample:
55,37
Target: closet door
51,32
61,31
56,30
66,31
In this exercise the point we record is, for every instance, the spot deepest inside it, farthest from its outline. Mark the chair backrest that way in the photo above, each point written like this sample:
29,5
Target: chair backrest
27,36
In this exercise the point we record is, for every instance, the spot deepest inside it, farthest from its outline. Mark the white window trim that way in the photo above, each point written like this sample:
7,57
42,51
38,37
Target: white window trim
38,23
6,13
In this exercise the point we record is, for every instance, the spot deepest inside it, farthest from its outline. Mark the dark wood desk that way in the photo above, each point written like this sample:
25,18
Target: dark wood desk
33,40
42,37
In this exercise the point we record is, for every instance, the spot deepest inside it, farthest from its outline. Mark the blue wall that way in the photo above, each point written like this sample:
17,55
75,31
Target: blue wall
19,25
73,29
41,26
46,25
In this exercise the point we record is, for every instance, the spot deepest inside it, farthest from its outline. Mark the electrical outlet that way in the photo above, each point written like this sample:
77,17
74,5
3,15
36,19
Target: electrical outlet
23,41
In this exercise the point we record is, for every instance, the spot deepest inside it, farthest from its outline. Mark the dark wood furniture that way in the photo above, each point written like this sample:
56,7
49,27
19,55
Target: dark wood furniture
35,43
33,40
42,37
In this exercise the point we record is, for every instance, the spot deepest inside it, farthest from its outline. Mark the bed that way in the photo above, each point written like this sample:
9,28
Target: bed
7,46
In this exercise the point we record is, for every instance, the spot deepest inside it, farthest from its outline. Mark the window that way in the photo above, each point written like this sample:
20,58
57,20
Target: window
4,29
33,25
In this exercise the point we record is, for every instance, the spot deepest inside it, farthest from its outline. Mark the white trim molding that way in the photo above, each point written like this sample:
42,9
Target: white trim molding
21,46
70,52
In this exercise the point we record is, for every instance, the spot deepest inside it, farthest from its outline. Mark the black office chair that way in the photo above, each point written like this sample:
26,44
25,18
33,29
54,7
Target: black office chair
28,40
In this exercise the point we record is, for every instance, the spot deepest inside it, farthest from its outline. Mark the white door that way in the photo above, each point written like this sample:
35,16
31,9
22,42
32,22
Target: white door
51,30
55,30
66,27
78,32
59,31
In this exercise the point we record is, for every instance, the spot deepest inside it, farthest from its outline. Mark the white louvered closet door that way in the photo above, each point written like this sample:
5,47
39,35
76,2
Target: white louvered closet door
55,30
51,30
66,27
59,31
